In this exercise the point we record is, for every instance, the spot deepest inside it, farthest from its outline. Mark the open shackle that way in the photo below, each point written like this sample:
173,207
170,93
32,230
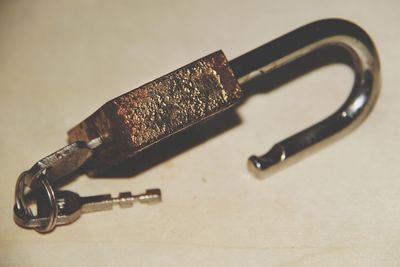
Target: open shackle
297,44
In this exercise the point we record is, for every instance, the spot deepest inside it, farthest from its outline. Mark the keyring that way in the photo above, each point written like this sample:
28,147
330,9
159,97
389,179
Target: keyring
56,165
23,214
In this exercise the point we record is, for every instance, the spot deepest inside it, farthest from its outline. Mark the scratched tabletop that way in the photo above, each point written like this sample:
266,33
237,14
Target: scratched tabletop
337,206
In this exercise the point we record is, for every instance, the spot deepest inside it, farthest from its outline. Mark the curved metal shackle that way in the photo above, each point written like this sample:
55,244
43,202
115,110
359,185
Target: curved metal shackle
295,45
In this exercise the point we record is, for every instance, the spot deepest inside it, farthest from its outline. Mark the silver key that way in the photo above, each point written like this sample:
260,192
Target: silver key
71,205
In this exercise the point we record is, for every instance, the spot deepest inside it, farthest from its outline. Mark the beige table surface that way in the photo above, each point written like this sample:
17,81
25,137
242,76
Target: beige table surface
60,60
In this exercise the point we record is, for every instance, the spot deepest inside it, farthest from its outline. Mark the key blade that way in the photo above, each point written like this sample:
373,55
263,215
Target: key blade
125,200
96,203
151,196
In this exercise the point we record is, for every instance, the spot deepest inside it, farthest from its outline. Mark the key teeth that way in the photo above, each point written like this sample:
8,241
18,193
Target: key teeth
153,196
125,199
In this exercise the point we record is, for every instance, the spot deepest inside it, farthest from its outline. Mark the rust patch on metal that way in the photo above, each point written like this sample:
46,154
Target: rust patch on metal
158,109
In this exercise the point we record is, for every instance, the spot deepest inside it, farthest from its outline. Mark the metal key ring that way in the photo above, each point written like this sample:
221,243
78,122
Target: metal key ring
57,165
23,214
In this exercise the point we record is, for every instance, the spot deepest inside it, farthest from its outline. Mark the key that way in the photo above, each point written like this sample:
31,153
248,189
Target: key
71,205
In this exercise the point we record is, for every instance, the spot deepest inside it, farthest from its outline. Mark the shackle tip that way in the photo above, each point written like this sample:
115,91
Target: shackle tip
258,165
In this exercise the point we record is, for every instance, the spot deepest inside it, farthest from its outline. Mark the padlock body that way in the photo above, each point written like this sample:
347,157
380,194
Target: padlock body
146,115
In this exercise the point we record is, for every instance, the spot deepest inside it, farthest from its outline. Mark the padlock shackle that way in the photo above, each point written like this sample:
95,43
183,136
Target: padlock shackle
297,44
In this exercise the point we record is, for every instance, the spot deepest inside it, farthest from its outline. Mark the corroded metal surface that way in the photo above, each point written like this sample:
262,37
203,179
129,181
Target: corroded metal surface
156,110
